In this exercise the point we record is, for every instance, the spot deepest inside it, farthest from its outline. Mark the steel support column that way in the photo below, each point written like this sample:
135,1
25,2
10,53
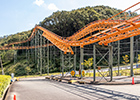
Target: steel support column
136,52
131,54
47,57
111,61
40,55
69,60
81,59
44,56
118,57
94,63
15,56
27,54
54,56
62,55
32,55
75,60
35,48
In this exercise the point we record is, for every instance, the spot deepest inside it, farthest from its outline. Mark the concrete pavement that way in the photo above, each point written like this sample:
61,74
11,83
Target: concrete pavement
43,89
38,89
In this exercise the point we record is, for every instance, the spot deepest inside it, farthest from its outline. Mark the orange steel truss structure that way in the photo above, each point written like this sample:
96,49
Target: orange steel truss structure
108,31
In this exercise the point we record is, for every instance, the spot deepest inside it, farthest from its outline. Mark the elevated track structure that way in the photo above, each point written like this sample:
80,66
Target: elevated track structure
102,32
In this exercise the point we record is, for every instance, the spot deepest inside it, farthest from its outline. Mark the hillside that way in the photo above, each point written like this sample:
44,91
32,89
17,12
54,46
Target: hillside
63,23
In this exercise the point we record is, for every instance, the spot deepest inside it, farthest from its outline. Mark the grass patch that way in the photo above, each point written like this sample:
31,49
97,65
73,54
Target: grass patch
4,82
28,76
125,72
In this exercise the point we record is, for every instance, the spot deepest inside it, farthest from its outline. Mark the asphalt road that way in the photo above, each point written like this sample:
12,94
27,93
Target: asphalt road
42,89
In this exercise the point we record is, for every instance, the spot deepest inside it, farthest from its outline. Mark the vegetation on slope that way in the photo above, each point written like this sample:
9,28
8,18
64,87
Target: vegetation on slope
14,38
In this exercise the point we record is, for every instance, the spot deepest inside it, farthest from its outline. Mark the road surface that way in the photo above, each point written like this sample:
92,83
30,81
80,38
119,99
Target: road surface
42,89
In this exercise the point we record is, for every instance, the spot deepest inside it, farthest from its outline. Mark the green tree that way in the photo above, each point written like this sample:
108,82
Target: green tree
88,63
28,69
126,59
138,57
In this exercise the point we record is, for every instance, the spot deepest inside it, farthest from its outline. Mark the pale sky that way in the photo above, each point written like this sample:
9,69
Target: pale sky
22,15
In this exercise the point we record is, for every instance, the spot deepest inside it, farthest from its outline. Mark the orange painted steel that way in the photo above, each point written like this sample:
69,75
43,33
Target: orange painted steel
81,31
64,45
128,29
106,34
92,27
109,31
125,10
29,39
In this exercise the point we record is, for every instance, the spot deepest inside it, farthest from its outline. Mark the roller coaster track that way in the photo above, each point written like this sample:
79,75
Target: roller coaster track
121,31
29,39
109,31
91,27
24,47
109,35
59,41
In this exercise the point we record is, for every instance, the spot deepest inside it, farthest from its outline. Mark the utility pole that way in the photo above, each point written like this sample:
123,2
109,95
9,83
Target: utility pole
1,66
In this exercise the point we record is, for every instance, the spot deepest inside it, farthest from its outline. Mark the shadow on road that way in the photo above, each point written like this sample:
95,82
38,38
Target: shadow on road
32,79
89,91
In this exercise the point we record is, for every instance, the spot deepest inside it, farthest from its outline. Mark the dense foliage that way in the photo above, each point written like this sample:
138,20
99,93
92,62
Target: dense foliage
4,82
14,38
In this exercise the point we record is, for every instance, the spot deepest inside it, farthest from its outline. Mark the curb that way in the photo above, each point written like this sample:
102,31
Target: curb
91,82
127,83
72,81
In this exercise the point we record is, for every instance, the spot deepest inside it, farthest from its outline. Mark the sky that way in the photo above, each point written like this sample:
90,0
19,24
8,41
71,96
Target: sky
22,15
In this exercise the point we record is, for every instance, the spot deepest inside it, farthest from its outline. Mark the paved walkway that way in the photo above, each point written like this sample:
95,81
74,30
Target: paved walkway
43,89
117,80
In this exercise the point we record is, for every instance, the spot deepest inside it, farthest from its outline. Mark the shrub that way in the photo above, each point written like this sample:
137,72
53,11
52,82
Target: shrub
4,82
